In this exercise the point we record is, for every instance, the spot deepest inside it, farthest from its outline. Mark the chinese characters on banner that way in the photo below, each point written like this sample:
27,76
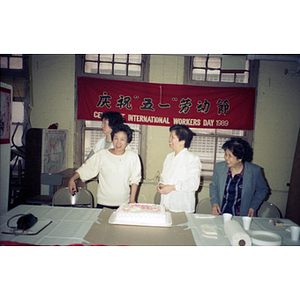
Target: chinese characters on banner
167,104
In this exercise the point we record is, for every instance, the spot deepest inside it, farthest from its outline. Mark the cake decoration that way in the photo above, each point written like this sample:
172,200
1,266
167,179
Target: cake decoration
141,214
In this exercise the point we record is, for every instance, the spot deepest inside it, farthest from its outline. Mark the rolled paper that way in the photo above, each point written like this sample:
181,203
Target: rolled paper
236,234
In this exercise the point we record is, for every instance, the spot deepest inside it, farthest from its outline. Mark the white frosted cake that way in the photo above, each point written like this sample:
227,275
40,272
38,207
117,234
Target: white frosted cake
141,214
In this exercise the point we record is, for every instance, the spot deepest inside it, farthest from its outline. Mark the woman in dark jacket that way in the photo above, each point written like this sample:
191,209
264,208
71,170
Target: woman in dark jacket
237,186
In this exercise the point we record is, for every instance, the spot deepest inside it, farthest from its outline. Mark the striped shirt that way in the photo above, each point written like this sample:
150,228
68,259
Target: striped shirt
233,193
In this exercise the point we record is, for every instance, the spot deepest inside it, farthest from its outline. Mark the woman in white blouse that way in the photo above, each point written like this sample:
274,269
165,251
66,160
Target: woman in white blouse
109,120
118,168
180,177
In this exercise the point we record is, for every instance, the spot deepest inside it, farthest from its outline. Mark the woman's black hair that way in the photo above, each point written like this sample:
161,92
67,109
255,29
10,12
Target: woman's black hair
183,133
125,128
239,148
114,118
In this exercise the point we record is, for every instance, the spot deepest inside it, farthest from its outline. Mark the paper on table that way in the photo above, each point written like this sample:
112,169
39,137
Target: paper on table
209,231
204,216
236,234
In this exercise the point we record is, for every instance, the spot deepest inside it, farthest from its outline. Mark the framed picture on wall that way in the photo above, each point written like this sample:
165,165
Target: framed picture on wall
5,113
54,153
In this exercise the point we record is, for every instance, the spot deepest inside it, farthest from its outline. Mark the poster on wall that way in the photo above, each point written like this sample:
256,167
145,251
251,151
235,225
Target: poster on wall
54,156
167,104
5,115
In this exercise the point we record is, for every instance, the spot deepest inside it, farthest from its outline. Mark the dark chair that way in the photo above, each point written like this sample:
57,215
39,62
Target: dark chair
48,181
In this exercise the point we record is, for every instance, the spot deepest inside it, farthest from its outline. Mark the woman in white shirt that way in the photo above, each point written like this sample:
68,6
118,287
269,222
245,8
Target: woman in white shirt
118,168
109,120
180,177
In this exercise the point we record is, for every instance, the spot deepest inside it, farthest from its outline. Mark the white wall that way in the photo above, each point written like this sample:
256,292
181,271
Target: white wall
277,124
52,95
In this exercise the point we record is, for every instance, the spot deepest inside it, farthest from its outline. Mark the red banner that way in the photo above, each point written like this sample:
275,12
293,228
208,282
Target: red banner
167,104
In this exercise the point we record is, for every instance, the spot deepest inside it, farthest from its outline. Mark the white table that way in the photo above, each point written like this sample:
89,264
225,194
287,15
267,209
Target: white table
70,225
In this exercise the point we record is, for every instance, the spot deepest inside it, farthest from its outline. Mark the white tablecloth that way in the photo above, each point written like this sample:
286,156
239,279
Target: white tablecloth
260,224
70,225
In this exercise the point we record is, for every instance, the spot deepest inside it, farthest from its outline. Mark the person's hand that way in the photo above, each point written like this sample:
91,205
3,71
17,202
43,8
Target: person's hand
132,200
165,188
251,212
159,187
216,210
72,187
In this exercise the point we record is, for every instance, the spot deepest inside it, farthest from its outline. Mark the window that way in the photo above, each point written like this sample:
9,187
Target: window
131,67
12,62
93,132
207,144
219,69
225,71
209,68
